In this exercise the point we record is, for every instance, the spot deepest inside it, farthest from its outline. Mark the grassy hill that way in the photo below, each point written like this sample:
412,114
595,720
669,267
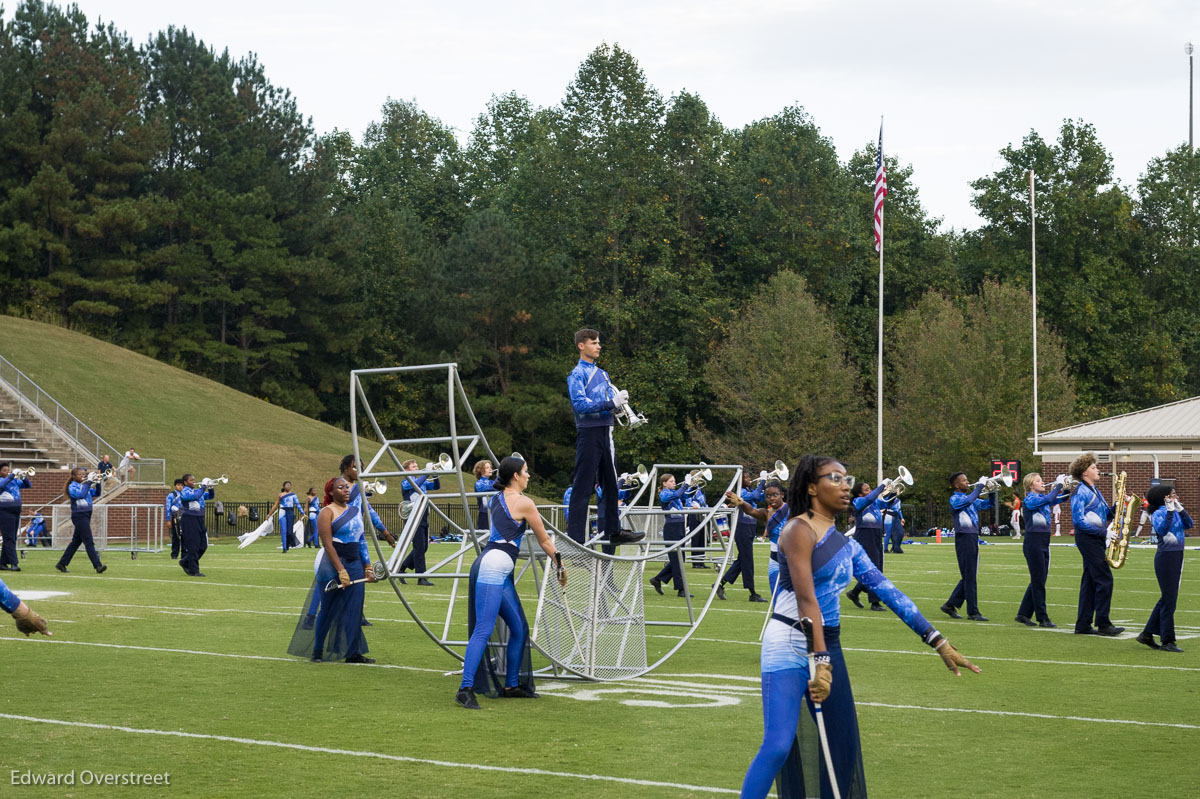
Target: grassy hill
197,425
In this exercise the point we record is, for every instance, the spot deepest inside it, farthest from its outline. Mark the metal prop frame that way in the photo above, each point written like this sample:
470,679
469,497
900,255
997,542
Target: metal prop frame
642,507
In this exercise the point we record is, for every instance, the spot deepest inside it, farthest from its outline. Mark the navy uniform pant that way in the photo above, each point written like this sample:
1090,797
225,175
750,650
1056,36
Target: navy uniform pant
696,539
672,531
1096,585
194,542
1037,557
966,549
82,537
420,543
175,539
1168,566
595,464
871,540
743,539
10,520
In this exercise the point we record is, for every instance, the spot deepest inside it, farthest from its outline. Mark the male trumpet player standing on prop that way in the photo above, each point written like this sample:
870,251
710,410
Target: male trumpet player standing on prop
1091,515
593,399
965,505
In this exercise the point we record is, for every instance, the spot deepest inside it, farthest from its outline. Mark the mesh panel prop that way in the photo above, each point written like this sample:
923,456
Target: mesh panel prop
596,626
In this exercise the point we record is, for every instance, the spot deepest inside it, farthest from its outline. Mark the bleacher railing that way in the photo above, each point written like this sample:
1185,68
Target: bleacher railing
76,434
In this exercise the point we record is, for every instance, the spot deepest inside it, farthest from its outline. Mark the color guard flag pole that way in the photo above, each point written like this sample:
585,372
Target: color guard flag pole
880,193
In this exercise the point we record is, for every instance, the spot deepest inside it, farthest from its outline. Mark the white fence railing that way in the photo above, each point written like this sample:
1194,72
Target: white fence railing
116,528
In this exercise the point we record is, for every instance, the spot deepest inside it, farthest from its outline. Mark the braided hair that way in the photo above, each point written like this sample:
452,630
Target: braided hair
806,474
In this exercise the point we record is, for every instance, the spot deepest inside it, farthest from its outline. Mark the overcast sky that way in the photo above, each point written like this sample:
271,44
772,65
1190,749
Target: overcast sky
955,81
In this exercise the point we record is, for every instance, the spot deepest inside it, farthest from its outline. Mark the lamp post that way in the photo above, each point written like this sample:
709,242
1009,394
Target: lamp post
1187,48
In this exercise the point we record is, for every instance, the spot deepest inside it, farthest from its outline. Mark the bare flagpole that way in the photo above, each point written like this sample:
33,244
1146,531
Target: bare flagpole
1033,260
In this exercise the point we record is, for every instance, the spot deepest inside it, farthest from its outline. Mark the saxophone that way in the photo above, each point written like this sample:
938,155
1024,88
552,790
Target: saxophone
1118,549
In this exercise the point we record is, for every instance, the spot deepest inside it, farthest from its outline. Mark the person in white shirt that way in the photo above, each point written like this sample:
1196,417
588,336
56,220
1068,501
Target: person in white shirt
125,466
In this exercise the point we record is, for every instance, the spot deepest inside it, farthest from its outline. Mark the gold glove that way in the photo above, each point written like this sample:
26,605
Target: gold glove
822,682
344,578
28,621
954,659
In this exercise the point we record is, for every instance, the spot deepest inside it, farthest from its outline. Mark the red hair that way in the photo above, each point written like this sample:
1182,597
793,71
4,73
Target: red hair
329,490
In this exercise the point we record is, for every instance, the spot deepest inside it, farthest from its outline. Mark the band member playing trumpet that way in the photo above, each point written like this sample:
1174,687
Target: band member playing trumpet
1091,514
743,537
1171,523
288,504
593,401
1036,511
420,542
695,525
82,492
191,524
10,515
775,514
868,532
672,498
313,509
965,505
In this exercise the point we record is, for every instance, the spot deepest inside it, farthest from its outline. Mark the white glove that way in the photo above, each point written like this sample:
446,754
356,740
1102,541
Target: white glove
1170,540
621,399
1111,537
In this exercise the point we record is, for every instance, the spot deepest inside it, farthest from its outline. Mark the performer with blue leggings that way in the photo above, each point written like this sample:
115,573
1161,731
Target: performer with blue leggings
1036,511
288,505
10,515
27,620
494,594
81,493
817,562
775,514
1171,523
313,509
338,631
868,532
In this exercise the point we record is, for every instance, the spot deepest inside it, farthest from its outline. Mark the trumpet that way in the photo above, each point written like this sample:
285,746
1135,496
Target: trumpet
209,482
444,464
991,484
639,477
896,487
375,487
698,478
1069,483
780,473
27,473
96,477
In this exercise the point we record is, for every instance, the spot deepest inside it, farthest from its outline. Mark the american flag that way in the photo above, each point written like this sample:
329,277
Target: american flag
880,192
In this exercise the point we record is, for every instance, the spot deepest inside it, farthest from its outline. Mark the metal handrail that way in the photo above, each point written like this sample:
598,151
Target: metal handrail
74,431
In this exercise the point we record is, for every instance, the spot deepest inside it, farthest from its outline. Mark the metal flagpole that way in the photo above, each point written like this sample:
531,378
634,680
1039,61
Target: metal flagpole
879,378
1033,259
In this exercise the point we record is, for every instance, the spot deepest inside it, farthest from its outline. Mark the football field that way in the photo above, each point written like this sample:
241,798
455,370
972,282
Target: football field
152,672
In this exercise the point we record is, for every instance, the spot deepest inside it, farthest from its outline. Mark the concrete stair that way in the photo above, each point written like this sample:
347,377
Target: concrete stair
26,440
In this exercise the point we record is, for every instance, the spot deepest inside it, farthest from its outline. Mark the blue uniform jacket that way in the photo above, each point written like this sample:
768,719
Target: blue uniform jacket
81,496
1168,521
1035,509
964,508
867,515
192,499
36,528
1089,512
10,490
676,498
590,391
752,496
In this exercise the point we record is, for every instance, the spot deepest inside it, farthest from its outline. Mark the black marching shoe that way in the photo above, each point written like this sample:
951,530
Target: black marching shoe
423,581
519,692
757,598
101,569
1110,631
1170,646
365,623
657,583
1089,631
317,658
1028,622
682,593
721,591
949,611
877,606
61,568
977,617
466,698
699,565
626,537
309,620
853,597
1147,639
1047,624
359,659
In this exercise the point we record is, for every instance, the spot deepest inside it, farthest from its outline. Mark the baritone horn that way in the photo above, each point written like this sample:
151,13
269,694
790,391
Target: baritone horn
1069,483
637,478
896,487
780,473
375,487
444,464
993,483
699,478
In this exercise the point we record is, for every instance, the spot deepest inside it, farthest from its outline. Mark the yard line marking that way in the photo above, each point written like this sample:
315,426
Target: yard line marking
112,616
213,654
375,755
201,611
1032,715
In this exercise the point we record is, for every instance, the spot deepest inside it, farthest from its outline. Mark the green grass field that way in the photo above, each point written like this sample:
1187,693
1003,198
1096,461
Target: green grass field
151,658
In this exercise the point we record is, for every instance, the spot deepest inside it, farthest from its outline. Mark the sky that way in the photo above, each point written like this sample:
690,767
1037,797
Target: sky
955,82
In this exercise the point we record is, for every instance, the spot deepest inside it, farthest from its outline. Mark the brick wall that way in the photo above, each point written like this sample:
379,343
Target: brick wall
1137,481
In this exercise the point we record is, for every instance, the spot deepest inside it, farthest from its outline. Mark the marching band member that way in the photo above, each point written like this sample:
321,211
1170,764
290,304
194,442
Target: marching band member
696,528
743,537
313,508
671,497
893,524
964,508
349,472
493,593
1036,547
816,564
35,531
589,388
485,481
81,493
10,515
868,532
420,542
338,631
288,504
173,509
1091,514
28,621
775,514
192,530
1171,523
